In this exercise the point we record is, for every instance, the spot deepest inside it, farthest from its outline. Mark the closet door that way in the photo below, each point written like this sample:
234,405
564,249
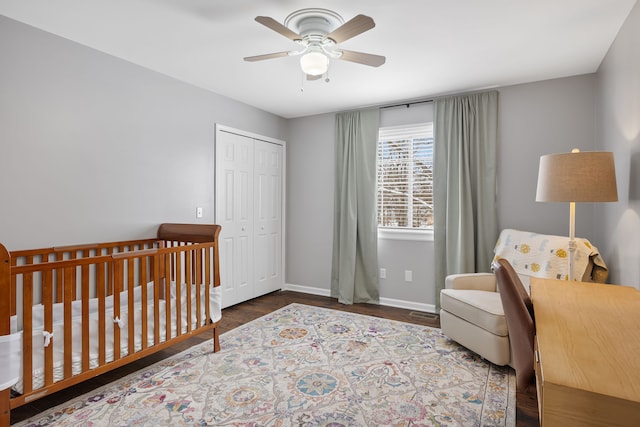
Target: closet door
249,207
234,212
268,173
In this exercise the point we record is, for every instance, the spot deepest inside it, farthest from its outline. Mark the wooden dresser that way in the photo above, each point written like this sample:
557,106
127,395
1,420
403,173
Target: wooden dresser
587,353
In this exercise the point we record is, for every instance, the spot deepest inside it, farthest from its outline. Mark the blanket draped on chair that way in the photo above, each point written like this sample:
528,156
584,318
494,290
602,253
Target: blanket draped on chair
546,256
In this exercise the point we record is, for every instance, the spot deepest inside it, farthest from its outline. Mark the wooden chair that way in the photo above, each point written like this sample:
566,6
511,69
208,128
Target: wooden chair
518,311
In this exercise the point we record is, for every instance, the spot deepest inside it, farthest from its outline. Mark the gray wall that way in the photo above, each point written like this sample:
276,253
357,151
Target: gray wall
535,119
547,117
94,148
310,180
618,130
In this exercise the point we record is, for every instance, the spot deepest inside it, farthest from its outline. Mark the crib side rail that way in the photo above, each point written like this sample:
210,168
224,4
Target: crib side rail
72,252
58,253
87,282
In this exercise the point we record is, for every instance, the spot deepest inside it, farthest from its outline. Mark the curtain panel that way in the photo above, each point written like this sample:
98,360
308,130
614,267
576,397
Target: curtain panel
354,276
465,218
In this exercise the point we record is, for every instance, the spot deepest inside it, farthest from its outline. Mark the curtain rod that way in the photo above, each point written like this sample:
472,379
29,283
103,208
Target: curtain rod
406,104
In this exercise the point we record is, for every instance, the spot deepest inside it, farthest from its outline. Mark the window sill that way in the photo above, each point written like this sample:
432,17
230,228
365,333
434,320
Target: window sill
404,234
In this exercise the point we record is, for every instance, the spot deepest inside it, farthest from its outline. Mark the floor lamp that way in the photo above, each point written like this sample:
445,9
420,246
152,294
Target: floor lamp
588,176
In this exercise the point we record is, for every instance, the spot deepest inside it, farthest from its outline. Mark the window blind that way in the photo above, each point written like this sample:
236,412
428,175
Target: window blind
405,176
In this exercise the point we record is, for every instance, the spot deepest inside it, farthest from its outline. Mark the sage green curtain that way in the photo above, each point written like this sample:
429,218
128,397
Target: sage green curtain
465,219
354,276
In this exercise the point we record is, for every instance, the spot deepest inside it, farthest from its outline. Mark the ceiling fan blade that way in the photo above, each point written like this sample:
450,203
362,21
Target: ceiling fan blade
278,27
266,56
357,25
310,77
362,58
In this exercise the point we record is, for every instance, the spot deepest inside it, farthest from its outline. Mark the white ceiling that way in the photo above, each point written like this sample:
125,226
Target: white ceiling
432,47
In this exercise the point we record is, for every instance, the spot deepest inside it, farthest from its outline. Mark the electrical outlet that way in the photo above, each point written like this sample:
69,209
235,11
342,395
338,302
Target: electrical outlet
198,212
408,276
383,273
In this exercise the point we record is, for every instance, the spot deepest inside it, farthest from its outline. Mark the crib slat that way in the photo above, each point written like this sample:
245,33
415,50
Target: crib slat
101,295
198,254
199,313
118,275
47,302
144,316
216,255
207,280
84,286
188,280
73,255
59,286
178,280
109,252
131,305
156,300
166,262
27,328
14,286
69,291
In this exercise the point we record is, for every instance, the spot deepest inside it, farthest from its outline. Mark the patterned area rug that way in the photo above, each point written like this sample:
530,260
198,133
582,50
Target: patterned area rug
307,366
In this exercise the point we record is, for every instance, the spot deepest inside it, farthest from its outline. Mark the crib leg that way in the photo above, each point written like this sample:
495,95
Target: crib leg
5,408
216,340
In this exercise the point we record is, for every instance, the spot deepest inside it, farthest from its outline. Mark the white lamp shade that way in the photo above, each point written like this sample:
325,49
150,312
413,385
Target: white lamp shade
314,63
588,176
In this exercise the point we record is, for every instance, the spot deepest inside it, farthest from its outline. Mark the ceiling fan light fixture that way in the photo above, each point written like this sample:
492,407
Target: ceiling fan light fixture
314,63
317,32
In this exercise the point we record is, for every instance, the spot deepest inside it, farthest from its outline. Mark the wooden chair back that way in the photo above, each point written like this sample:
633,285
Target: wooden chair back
518,311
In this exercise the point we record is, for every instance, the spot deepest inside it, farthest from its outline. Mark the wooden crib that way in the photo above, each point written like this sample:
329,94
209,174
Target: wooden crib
92,308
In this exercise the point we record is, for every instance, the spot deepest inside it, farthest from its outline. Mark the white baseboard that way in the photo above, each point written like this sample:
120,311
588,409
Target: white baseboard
409,305
390,302
307,290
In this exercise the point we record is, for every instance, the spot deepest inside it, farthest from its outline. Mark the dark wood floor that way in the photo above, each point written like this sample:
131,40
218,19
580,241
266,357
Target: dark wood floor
232,317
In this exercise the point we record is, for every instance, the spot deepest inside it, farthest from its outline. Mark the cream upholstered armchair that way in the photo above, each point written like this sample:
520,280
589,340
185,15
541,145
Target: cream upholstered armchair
471,310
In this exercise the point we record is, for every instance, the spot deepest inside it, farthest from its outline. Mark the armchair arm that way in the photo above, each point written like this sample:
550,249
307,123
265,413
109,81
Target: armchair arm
472,281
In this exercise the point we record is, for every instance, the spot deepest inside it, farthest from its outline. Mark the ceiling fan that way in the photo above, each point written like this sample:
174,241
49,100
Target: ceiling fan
318,31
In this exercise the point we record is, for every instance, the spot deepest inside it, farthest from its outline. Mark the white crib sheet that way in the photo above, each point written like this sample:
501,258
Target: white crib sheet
58,331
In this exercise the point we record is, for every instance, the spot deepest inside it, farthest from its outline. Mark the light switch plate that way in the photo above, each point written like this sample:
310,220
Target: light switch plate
408,276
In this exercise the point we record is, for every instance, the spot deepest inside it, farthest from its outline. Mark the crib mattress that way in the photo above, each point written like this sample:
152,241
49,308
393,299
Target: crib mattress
56,337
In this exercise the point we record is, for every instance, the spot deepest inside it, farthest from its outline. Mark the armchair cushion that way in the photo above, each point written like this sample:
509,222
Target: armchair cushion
471,281
481,308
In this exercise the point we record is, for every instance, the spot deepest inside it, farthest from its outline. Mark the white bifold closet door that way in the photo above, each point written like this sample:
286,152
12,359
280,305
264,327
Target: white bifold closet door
249,206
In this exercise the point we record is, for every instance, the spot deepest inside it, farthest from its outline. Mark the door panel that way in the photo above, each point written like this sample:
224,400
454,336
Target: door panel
234,200
268,178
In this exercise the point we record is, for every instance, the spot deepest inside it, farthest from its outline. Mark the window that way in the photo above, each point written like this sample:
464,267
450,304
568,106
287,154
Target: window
405,177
